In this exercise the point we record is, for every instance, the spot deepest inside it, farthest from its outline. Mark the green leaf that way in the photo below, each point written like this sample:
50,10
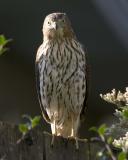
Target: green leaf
93,129
109,140
102,129
125,113
3,42
23,128
122,156
35,121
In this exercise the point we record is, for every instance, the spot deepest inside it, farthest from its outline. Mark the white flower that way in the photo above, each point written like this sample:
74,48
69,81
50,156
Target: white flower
120,96
116,97
122,143
126,95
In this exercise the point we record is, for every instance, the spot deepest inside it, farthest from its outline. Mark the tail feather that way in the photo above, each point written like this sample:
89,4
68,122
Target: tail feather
69,128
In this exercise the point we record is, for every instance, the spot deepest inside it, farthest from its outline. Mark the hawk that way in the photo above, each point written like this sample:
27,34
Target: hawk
61,74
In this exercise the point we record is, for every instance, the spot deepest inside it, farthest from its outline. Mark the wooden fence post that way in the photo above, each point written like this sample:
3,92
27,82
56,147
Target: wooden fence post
36,146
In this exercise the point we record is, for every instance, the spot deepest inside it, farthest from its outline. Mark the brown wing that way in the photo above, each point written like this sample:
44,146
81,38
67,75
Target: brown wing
82,115
37,72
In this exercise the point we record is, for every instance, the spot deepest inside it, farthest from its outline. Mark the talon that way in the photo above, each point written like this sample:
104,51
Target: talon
70,137
77,144
53,139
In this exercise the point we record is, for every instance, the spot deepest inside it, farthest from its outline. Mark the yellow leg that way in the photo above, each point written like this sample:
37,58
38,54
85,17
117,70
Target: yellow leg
74,134
53,128
77,143
53,139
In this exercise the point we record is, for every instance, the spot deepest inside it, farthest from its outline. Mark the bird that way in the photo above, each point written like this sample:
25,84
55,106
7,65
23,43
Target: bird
61,76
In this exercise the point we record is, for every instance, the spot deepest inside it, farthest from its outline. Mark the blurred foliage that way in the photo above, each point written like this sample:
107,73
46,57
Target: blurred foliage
29,124
108,135
106,152
3,43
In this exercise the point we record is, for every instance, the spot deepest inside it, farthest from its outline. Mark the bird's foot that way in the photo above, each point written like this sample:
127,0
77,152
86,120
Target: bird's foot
53,139
77,141
47,133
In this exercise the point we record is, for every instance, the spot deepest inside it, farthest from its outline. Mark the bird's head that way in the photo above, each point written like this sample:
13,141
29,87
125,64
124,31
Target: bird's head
57,25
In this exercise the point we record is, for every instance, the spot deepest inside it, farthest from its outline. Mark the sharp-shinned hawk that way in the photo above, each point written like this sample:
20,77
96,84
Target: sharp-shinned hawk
61,73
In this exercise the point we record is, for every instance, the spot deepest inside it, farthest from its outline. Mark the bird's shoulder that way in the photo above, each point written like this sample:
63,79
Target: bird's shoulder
39,53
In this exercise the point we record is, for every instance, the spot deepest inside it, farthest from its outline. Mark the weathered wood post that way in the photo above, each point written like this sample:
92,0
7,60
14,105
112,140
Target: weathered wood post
36,146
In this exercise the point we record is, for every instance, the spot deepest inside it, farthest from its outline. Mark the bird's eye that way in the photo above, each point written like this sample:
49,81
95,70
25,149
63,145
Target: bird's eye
49,23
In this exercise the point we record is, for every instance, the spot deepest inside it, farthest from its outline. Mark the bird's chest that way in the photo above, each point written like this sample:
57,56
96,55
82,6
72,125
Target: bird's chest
61,64
61,76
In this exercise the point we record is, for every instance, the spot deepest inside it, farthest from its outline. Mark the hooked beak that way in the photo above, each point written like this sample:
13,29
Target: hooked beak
55,25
